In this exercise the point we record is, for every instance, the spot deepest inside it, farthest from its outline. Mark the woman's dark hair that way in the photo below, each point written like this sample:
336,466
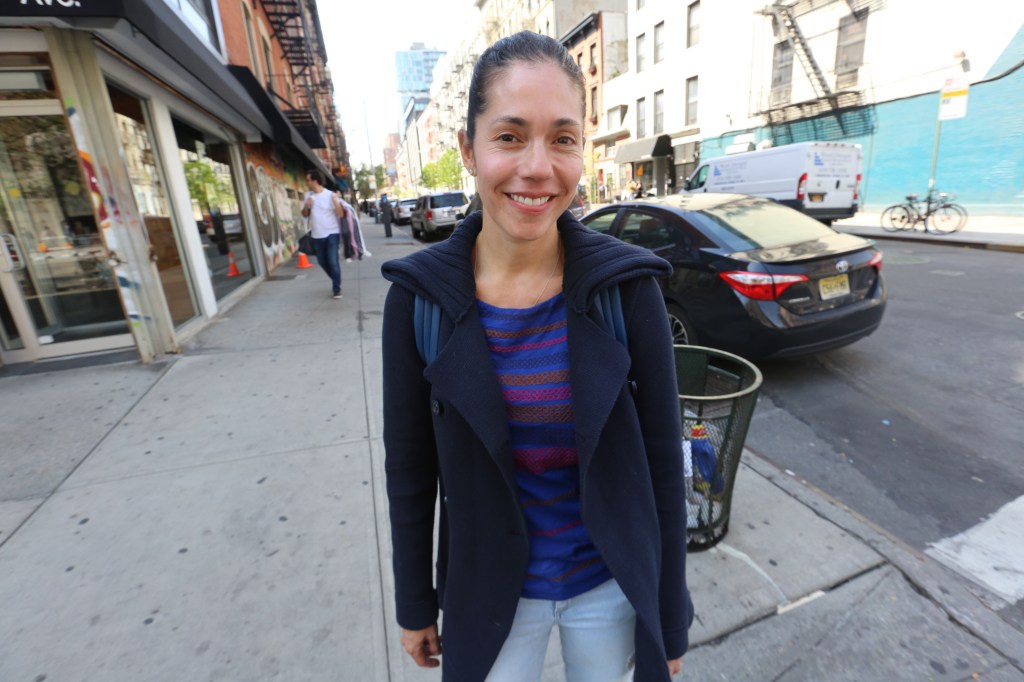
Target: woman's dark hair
525,46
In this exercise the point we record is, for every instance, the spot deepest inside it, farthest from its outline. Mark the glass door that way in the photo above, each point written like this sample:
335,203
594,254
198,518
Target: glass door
59,294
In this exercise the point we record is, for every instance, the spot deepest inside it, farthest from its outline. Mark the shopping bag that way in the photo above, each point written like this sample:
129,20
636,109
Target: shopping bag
306,245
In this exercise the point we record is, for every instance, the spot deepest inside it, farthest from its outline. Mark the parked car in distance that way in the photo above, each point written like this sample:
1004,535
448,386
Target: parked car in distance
437,213
403,211
578,208
753,277
821,179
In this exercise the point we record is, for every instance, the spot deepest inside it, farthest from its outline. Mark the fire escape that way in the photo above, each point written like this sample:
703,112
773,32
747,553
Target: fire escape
288,21
839,113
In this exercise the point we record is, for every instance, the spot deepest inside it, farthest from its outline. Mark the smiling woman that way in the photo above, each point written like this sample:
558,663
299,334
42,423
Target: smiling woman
526,392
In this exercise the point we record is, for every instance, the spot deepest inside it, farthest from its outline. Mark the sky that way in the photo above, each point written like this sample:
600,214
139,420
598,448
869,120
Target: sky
362,37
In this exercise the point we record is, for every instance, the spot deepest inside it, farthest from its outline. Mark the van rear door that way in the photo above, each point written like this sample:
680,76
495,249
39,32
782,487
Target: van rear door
833,172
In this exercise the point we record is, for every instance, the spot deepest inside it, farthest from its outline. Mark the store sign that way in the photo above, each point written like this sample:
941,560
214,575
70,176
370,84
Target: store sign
51,3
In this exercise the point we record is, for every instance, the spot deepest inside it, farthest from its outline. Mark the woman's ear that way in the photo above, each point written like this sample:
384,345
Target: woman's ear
466,150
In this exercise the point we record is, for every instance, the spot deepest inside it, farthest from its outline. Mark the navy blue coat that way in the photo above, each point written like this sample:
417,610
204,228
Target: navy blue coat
445,427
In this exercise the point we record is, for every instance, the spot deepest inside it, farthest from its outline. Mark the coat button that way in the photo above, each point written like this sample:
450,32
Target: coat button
436,408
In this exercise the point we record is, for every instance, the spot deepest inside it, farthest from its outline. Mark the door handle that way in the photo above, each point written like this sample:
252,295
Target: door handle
13,260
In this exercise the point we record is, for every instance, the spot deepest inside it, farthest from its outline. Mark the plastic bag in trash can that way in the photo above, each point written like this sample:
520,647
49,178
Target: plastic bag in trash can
693,499
705,459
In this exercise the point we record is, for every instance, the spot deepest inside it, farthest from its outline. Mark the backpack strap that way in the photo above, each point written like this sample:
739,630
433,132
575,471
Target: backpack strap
427,321
427,327
610,303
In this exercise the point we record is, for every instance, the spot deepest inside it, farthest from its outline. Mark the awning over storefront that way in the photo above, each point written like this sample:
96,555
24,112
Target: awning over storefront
161,27
608,135
283,132
644,150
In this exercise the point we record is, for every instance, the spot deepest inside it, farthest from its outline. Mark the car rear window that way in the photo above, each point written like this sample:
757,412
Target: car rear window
452,199
746,224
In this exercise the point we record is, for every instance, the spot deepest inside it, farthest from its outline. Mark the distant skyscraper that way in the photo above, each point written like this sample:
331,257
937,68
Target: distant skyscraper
414,68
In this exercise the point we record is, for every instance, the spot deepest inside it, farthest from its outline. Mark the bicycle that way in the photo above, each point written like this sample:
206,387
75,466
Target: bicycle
938,214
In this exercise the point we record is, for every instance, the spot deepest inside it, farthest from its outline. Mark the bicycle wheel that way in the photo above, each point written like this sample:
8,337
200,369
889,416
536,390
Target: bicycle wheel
897,217
963,216
945,219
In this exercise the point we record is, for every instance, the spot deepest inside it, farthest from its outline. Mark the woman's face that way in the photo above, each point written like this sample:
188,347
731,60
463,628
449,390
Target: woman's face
528,149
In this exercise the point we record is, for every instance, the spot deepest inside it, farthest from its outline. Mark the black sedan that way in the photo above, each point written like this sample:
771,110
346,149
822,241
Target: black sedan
753,277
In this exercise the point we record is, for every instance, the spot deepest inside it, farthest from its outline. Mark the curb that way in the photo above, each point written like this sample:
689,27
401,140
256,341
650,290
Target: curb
986,246
964,602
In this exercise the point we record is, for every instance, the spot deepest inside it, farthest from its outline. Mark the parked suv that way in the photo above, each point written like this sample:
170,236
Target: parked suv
403,211
435,213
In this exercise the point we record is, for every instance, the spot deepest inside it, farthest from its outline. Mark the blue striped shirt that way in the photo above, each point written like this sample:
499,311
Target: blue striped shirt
530,353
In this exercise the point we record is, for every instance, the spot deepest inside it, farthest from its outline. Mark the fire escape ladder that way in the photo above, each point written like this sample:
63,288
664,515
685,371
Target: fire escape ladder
802,50
288,21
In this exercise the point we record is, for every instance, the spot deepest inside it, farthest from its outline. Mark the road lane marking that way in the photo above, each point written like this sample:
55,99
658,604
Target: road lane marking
991,552
948,273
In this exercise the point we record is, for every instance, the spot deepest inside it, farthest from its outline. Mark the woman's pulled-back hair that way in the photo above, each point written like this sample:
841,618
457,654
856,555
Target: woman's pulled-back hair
525,46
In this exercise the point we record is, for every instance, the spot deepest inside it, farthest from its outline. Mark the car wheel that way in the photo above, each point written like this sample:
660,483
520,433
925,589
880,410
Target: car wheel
416,233
682,331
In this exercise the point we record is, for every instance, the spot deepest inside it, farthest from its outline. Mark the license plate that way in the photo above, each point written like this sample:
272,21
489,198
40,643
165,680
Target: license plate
834,287
817,197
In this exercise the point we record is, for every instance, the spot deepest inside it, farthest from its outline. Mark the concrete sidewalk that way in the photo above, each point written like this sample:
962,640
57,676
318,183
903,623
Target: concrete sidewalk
222,516
999,233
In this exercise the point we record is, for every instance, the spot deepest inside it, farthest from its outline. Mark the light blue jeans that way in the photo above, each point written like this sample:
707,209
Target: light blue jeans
596,631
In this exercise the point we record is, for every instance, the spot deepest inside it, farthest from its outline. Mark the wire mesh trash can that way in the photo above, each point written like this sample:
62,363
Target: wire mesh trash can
717,395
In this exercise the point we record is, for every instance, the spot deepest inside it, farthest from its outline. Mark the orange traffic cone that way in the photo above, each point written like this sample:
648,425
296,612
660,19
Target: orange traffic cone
304,261
233,270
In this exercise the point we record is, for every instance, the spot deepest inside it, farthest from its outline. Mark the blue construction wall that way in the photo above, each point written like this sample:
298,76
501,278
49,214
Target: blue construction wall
981,156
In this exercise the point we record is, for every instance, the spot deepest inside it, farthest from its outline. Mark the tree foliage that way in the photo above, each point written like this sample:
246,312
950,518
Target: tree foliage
446,172
362,180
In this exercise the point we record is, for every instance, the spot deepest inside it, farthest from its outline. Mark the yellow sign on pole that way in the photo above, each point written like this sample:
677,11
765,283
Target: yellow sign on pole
954,99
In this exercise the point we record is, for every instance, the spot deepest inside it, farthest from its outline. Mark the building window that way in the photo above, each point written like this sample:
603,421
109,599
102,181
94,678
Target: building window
850,49
659,42
659,112
254,61
593,56
782,74
579,60
198,14
268,63
593,104
641,46
691,101
641,118
693,24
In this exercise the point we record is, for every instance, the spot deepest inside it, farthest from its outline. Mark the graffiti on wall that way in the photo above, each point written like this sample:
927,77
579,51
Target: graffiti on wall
275,190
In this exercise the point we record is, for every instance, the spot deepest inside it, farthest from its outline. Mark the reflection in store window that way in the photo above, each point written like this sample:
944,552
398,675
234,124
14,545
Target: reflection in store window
211,184
147,186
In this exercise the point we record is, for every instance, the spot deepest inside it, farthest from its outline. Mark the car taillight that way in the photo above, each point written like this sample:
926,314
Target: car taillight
430,215
760,286
801,187
876,261
856,188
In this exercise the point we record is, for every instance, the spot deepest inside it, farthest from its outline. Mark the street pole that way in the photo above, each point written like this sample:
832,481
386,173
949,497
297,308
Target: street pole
373,171
935,147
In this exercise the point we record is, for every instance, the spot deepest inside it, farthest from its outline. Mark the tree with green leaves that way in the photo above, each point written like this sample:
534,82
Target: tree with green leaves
429,177
449,170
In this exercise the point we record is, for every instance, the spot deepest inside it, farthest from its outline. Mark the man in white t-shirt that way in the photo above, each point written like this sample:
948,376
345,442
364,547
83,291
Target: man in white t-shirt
325,212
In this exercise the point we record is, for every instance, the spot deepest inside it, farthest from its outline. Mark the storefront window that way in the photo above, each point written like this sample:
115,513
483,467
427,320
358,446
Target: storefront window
148,188
211,184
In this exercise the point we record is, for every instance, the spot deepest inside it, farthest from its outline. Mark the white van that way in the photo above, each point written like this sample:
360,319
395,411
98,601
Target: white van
821,179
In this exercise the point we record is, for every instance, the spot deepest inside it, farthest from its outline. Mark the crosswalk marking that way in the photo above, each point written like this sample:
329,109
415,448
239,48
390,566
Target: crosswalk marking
991,553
